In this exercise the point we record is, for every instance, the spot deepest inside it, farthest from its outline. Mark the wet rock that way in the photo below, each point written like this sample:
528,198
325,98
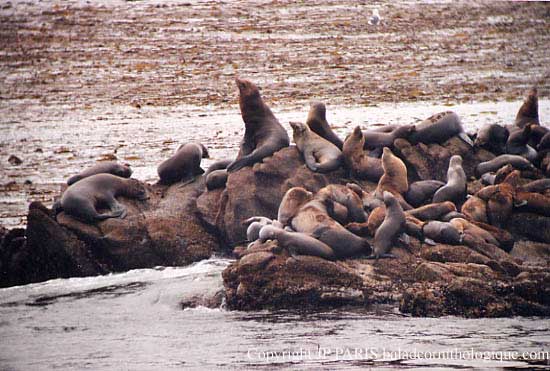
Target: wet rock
14,160
431,161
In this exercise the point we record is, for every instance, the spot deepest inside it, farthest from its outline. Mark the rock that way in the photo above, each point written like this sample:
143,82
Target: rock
532,252
431,161
533,226
14,160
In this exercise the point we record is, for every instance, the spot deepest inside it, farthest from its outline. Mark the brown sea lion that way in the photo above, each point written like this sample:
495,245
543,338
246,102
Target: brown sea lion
357,161
432,211
500,199
376,139
455,189
529,111
317,122
536,186
394,179
464,226
184,165
263,135
475,209
391,228
83,199
293,199
319,154
438,128
342,195
297,243
107,167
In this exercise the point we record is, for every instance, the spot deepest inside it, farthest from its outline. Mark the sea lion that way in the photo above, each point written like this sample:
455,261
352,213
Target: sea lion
537,133
358,163
442,232
421,191
107,167
313,219
451,215
432,211
475,209
536,186
218,165
529,111
544,143
492,137
455,190
500,200
216,179
516,161
376,139
391,228
255,224
293,199
517,144
297,243
82,199
184,165
319,154
342,195
263,135
438,128
394,179
317,122
488,179
464,226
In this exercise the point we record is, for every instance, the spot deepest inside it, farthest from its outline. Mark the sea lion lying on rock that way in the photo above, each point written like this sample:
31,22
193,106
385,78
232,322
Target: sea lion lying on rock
184,165
378,139
319,154
438,128
107,167
357,161
297,243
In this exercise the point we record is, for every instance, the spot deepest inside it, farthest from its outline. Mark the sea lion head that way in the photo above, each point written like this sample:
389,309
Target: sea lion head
298,128
456,160
389,199
269,232
204,150
123,170
250,101
317,110
136,189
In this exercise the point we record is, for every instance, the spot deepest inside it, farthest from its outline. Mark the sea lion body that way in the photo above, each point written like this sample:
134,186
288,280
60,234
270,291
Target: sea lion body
82,199
492,137
455,188
432,211
264,135
377,139
516,161
529,111
536,186
292,201
313,219
342,195
443,232
421,191
391,228
255,224
317,122
216,179
297,243
517,143
319,154
108,167
438,128
218,165
475,209
357,160
464,226
184,165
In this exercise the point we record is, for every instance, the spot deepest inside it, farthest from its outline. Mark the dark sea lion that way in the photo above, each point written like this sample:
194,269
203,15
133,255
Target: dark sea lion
488,178
82,199
442,232
529,110
184,165
216,179
451,215
537,186
346,197
313,219
394,179
422,191
292,201
438,128
218,165
391,228
297,243
319,154
357,161
532,202
376,139
464,226
492,137
263,135
544,143
516,161
317,122
455,189
255,224
432,211
537,133
517,143
107,167
475,209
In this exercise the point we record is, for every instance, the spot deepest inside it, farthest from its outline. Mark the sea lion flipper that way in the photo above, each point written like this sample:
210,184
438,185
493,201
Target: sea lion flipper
429,241
462,135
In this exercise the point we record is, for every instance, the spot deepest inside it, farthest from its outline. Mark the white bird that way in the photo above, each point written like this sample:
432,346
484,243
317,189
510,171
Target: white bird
375,19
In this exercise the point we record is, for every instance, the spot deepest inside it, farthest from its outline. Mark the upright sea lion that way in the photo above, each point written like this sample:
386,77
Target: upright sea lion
442,232
297,243
376,139
516,161
438,128
517,143
313,218
391,228
317,122
357,160
319,154
529,110
500,200
107,167
492,137
422,191
455,189
293,199
263,135
394,179
184,165
82,199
